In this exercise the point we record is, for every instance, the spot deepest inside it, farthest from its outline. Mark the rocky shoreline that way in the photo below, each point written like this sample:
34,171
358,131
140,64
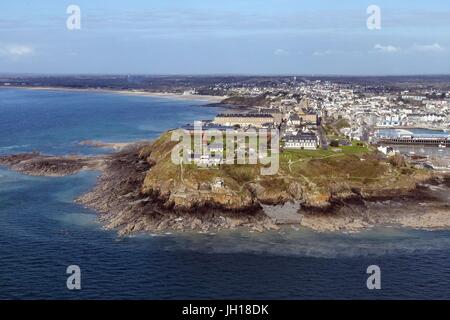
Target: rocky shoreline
124,205
36,164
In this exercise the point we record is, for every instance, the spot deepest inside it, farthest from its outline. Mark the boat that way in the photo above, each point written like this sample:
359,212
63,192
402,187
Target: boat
442,146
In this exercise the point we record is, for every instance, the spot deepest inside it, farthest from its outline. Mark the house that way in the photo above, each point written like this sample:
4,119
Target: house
291,131
304,140
309,118
206,160
276,114
215,147
387,151
217,185
294,120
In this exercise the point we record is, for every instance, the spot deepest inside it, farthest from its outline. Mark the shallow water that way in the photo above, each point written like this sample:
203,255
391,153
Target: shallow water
42,231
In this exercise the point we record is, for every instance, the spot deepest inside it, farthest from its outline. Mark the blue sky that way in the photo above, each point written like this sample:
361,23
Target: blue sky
225,37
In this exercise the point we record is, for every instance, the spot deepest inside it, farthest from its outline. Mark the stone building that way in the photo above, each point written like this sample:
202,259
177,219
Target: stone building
304,140
257,120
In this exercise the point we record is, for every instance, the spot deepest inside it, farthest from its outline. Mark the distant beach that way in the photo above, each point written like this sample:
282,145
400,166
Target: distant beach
208,98
168,95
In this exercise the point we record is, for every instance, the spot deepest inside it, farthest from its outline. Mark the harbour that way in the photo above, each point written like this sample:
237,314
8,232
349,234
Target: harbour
425,148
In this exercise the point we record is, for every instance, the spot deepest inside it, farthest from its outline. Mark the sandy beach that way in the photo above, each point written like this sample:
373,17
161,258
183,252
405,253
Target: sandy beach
168,95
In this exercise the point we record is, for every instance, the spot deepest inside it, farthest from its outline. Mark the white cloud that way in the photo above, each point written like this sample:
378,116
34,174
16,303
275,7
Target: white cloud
435,47
325,53
425,48
281,52
15,51
386,49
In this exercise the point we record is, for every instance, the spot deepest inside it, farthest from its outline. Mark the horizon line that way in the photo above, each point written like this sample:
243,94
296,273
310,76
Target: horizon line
14,74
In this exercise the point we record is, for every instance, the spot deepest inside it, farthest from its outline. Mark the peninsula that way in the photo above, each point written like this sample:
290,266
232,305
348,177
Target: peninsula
141,190
338,165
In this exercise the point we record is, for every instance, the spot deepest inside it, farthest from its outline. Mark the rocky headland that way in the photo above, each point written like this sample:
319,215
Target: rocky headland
140,190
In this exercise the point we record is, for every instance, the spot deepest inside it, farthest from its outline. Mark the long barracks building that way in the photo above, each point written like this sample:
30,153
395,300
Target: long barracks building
244,119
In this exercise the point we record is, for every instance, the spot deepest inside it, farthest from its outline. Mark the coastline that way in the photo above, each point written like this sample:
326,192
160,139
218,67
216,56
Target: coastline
122,205
166,95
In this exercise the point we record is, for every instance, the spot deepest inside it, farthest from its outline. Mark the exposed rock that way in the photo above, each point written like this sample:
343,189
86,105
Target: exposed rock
42,165
295,190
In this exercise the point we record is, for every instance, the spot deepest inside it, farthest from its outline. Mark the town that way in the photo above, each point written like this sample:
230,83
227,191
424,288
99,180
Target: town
322,114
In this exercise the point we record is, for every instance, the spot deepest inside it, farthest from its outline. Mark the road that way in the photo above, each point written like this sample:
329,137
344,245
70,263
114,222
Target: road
323,138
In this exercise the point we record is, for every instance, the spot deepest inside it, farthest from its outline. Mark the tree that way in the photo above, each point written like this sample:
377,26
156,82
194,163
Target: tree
334,143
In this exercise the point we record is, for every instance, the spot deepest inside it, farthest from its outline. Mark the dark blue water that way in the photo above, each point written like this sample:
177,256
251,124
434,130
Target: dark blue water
42,231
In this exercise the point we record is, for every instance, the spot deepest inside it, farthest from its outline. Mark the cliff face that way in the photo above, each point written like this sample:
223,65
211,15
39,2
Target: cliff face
186,188
132,196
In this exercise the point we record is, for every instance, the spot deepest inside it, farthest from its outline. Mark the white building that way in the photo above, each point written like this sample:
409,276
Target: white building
307,141
207,161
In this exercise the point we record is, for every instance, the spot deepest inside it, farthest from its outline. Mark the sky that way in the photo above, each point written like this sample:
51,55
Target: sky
315,37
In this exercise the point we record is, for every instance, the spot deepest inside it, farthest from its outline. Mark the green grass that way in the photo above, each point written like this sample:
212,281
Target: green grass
332,137
241,173
294,155
354,149
314,169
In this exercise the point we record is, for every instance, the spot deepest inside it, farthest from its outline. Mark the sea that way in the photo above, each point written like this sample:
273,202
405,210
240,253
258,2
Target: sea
43,232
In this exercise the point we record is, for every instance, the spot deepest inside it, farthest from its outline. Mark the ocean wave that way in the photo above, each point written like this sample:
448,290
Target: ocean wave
16,146
386,241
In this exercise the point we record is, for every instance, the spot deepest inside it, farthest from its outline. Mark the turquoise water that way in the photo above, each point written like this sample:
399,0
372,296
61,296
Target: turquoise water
42,231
